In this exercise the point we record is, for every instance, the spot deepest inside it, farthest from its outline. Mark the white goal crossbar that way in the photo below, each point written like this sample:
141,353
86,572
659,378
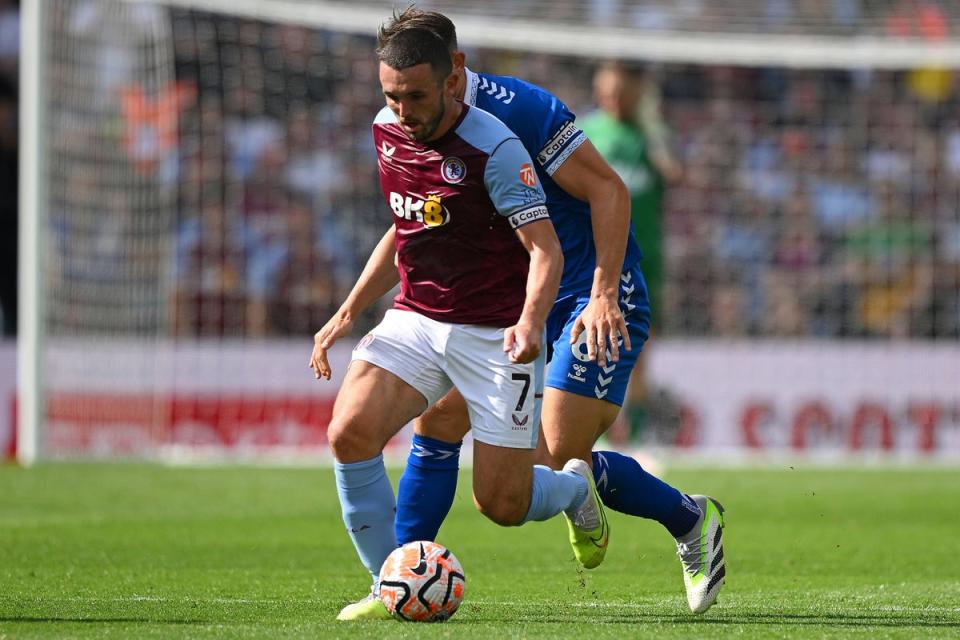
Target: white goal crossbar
747,49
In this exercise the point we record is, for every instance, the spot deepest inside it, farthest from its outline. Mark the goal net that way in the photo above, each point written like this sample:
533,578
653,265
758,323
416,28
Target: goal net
203,192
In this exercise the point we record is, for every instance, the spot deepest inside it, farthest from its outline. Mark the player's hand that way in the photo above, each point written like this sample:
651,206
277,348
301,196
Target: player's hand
523,342
604,324
339,325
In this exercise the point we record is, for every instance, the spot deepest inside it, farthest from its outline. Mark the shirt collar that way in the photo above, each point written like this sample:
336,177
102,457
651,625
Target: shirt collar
473,81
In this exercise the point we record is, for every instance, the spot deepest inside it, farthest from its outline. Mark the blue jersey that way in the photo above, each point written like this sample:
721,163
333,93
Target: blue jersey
546,129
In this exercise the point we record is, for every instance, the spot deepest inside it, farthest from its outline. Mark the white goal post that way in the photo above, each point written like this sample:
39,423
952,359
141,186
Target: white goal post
30,391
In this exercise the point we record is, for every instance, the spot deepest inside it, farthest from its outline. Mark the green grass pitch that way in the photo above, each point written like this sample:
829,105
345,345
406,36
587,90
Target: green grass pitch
136,551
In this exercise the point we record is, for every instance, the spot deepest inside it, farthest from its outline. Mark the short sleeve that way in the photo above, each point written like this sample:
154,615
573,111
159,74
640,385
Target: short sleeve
513,186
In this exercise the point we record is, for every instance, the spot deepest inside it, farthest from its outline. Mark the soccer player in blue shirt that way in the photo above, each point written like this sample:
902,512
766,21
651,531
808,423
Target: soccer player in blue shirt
596,331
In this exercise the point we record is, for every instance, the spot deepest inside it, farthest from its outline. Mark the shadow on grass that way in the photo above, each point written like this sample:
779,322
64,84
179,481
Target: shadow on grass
727,619
94,620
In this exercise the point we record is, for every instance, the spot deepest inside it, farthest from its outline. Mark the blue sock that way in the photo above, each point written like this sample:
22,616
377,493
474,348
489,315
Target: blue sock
553,492
366,499
624,486
426,489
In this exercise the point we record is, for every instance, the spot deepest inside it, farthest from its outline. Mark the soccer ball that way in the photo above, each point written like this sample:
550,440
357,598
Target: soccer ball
422,582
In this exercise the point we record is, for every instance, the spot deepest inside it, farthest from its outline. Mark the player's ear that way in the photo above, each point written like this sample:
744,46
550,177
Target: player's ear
459,60
450,82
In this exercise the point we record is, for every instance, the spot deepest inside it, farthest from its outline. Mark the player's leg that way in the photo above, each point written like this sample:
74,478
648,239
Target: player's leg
581,402
393,377
583,399
571,425
504,414
372,406
695,522
510,490
429,481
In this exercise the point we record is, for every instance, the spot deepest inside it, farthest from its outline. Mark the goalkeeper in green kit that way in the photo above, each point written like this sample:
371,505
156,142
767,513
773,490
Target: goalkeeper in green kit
628,133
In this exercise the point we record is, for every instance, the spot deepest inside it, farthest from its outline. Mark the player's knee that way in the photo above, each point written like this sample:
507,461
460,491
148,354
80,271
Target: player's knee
505,509
348,441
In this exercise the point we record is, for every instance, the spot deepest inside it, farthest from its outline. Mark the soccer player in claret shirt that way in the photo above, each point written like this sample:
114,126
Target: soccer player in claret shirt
595,332
479,266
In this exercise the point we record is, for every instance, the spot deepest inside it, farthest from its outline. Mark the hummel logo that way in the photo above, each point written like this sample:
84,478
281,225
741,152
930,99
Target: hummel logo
387,149
490,88
577,374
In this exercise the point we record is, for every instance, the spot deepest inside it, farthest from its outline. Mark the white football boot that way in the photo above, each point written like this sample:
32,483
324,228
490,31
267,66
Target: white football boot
701,554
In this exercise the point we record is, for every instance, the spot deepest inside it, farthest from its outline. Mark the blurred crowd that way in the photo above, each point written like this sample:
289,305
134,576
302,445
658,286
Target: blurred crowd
811,203
9,59
925,19
283,176
823,204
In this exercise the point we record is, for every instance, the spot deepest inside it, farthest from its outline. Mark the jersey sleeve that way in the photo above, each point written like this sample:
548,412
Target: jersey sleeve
548,129
561,138
512,184
543,122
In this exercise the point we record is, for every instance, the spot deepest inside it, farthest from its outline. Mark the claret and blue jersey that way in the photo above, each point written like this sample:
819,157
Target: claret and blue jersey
457,201
442,187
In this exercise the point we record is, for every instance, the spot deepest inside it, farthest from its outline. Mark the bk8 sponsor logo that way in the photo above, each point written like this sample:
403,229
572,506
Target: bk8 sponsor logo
430,211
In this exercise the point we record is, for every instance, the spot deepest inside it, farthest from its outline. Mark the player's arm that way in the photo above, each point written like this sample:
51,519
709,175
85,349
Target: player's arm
524,340
586,176
516,193
378,277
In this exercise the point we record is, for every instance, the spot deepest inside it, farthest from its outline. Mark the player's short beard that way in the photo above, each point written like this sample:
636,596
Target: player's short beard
430,126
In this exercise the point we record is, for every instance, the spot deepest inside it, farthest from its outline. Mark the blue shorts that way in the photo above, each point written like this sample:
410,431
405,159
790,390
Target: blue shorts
571,369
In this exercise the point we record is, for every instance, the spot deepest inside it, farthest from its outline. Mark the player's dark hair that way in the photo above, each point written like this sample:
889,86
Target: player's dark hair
414,46
414,18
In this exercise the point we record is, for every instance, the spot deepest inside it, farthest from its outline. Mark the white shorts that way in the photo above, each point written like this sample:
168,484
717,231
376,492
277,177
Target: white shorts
503,398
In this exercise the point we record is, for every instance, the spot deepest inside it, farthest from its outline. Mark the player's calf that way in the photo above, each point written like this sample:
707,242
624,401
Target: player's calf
502,493
504,510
